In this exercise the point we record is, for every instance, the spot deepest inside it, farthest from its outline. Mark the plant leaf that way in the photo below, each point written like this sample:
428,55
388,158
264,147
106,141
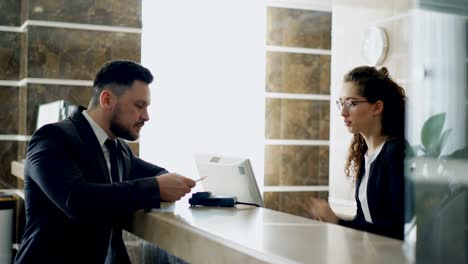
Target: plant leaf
409,151
430,133
443,139
419,147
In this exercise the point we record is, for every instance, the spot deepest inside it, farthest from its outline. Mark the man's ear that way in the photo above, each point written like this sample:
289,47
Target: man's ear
105,99
378,107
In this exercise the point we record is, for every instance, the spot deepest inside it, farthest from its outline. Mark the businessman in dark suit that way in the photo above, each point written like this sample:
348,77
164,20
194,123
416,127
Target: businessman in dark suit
82,181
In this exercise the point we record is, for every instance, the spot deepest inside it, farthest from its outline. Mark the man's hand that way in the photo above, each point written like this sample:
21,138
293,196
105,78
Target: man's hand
173,186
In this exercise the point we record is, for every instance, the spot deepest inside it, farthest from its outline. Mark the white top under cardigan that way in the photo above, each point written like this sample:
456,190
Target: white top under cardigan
365,179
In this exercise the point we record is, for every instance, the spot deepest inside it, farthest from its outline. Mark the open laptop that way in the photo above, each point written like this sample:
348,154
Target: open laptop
227,176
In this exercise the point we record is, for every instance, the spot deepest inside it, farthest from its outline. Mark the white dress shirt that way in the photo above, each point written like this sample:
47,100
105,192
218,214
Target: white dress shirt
102,137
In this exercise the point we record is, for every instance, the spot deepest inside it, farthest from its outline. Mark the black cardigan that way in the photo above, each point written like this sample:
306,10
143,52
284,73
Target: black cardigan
385,193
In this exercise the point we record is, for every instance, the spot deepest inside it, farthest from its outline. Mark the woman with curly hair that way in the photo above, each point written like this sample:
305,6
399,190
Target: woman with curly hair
373,108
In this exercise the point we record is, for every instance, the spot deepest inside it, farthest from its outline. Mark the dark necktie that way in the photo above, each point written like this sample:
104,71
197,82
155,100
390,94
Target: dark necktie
112,147
116,233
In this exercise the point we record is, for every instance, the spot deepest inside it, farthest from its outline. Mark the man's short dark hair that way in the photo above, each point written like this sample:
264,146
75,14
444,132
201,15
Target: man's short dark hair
118,76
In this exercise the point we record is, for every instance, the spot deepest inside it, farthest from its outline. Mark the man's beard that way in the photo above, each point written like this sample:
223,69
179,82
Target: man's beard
118,129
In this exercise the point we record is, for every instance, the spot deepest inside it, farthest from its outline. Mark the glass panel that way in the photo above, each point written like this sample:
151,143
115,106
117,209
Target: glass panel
437,193
452,6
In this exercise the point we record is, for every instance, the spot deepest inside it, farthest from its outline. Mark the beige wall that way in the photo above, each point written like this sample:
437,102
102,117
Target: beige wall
350,20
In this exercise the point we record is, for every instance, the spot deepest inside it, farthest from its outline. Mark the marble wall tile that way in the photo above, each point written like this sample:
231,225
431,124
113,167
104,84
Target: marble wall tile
23,55
296,203
76,54
297,119
325,68
323,164
324,121
296,165
40,94
297,73
22,147
273,118
22,109
9,96
291,202
272,200
10,11
125,13
298,28
272,165
299,165
9,55
24,10
8,153
325,28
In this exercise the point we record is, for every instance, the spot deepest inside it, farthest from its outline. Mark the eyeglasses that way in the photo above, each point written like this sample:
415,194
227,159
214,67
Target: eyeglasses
348,104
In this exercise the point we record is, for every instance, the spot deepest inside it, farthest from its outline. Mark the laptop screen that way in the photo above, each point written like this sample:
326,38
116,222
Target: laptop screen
227,176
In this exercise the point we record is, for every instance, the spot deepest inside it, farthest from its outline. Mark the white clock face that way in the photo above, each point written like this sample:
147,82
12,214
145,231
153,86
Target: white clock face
374,46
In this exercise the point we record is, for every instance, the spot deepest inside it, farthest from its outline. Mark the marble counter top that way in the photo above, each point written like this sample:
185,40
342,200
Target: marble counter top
255,235
258,235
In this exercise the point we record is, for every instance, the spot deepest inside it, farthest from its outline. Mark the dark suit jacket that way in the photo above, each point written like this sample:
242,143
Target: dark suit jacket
385,193
71,206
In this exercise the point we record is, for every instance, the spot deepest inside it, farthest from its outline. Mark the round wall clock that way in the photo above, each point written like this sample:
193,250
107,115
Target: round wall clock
374,46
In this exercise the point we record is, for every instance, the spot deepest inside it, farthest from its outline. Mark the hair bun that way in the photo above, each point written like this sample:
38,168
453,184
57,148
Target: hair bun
384,71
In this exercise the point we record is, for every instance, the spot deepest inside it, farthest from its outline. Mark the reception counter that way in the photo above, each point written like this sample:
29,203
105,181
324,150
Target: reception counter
257,235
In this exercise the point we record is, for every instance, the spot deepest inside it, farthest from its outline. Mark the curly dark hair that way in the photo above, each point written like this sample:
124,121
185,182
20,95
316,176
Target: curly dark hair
376,85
